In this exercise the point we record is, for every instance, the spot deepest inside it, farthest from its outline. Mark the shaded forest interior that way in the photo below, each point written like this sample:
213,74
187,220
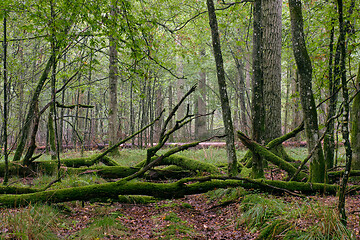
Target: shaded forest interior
166,77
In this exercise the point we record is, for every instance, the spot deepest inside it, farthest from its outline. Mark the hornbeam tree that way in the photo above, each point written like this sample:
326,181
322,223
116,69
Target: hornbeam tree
225,105
303,62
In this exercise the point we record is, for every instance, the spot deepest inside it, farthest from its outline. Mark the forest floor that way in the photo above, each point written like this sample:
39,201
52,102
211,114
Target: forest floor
219,214
173,219
203,216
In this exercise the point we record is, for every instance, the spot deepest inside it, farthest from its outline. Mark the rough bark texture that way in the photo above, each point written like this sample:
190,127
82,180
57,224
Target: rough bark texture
303,62
225,105
258,110
355,126
346,113
271,66
329,141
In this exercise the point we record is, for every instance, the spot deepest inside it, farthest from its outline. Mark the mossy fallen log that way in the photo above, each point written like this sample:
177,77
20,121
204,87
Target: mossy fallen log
185,163
338,174
138,199
275,143
50,167
177,189
271,157
17,190
113,172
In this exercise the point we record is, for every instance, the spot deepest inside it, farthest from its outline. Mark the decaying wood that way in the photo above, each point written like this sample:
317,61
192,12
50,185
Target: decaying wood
271,157
177,189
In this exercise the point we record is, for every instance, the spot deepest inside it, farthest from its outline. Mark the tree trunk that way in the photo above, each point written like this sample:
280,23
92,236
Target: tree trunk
30,115
346,111
200,122
113,81
258,111
6,108
271,66
180,88
271,157
355,126
303,62
329,141
225,105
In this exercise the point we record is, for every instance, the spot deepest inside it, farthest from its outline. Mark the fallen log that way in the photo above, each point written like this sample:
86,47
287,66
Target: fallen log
271,157
50,167
247,159
177,189
185,163
17,190
338,174
113,172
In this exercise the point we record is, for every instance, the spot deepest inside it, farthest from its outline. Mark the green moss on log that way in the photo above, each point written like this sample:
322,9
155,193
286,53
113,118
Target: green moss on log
136,199
185,163
271,157
17,190
159,190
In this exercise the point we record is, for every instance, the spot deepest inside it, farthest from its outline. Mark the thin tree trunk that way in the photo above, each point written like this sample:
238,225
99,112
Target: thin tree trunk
355,126
30,115
346,110
180,86
200,123
170,94
329,142
113,81
288,80
6,109
225,105
303,62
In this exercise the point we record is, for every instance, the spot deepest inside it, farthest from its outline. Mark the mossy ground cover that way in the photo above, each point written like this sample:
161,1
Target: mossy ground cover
219,214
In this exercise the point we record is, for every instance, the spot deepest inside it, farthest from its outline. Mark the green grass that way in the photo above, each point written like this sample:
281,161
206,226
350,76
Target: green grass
102,227
33,222
175,226
275,219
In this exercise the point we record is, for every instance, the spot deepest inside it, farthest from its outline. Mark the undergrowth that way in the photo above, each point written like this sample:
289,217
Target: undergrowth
102,227
33,222
275,219
175,227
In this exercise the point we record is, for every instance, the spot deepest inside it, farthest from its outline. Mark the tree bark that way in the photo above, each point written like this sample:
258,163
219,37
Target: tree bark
355,126
6,108
329,141
200,122
303,62
271,66
258,107
31,112
225,105
113,81
346,111
180,86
